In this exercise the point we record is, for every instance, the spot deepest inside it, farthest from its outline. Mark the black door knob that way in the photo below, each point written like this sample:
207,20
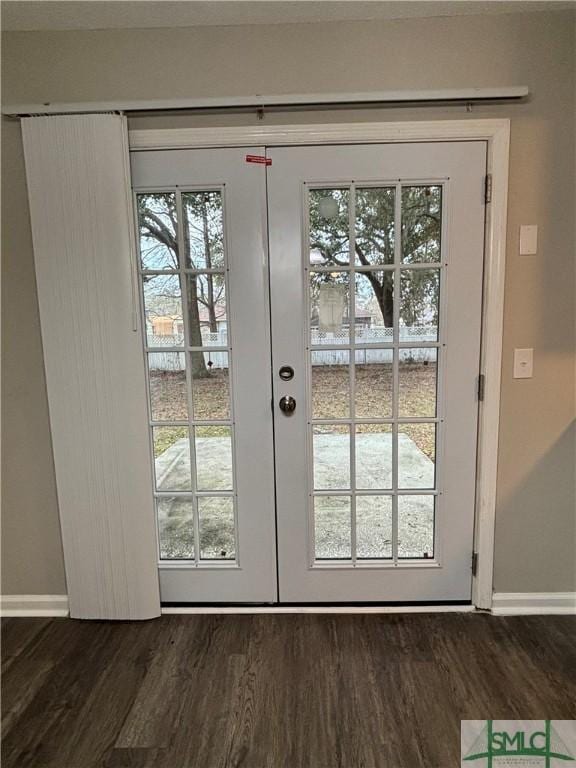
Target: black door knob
287,404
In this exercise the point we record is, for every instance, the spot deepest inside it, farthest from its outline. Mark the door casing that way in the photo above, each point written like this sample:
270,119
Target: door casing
497,135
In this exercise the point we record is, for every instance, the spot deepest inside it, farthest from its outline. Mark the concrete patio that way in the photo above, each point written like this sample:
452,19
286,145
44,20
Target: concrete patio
332,518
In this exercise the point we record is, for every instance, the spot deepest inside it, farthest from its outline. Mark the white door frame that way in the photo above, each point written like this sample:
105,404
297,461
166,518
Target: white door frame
497,135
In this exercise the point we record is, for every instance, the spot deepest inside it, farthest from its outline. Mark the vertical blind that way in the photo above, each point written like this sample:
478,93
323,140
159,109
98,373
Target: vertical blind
81,214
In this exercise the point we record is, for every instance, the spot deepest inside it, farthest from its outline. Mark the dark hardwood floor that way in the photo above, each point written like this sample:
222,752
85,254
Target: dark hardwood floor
275,691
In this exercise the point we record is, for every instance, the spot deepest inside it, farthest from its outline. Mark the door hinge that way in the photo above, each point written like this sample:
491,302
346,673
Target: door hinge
488,188
481,386
474,563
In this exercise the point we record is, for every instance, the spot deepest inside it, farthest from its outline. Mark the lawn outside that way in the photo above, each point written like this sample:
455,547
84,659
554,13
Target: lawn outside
330,398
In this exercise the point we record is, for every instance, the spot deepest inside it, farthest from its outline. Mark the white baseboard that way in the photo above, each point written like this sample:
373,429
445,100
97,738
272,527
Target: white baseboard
518,603
503,604
34,605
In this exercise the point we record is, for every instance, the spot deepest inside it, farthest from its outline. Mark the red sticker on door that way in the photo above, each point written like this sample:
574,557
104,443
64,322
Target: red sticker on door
259,159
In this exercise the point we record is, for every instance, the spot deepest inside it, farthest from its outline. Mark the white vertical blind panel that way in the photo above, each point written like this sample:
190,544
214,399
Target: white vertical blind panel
80,204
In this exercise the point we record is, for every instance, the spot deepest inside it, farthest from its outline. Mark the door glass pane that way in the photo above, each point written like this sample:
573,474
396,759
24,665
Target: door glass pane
176,528
329,308
373,456
167,382
157,229
417,382
421,223
203,394
373,527
419,297
416,455
332,526
329,227
374,311
374,383
392,455
207,310
172,458
416,526
203,230
330,384
375,225
210,385
331,456
216,526
213,458
163,310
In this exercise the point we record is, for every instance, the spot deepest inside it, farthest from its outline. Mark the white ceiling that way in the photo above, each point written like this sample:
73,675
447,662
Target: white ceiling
20,15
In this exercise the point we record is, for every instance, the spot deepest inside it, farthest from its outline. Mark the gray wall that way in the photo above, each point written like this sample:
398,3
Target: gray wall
536,510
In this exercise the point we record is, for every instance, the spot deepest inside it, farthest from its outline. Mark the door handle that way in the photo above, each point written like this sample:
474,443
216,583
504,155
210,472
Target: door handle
287,404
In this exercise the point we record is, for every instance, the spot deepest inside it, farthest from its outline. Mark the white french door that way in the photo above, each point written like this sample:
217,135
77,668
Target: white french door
204,289
366,262
376,259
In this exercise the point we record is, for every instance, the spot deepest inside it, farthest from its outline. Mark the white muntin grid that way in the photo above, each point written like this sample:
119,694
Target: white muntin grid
186,349
396,269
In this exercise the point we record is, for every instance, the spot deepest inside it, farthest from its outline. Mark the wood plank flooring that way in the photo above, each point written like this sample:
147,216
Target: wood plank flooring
275,691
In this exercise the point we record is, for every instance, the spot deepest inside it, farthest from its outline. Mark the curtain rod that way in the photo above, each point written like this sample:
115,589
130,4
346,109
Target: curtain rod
259,102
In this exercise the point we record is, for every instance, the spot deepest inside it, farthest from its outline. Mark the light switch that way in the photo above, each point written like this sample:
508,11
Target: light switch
523,363
528,239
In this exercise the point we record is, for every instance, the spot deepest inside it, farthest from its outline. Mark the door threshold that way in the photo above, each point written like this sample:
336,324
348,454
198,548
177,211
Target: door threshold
334,608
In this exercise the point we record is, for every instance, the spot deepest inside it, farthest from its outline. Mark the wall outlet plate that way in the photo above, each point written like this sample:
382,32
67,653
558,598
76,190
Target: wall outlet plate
528,239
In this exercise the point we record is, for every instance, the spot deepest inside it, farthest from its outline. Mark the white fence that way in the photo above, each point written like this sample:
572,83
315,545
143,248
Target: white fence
174,361
408,334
